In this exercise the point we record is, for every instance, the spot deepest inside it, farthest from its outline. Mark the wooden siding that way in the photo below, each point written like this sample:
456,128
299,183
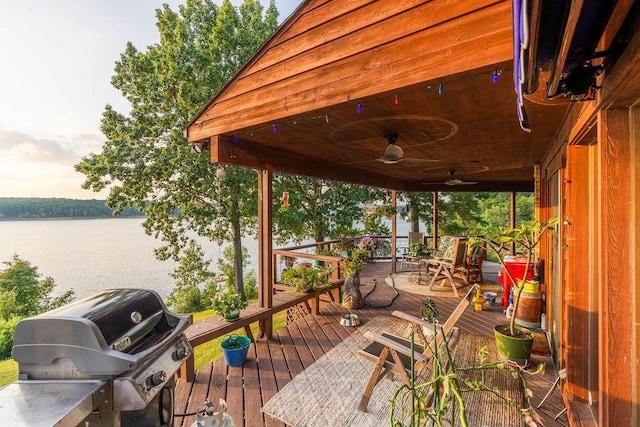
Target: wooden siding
377,47
616,355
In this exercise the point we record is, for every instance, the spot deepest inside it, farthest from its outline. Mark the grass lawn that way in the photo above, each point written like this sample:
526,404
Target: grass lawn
205,353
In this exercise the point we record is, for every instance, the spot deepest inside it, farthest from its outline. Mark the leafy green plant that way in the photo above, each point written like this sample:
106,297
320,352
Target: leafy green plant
526,237
438,400
354,263
429,310
418,250
386,211
305,278
226,301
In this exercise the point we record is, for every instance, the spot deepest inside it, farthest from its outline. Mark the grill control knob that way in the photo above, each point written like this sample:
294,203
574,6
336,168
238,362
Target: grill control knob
180,354
156,379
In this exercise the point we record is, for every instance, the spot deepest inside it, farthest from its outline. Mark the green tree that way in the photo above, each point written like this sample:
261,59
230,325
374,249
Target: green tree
23,291
318,209
147,163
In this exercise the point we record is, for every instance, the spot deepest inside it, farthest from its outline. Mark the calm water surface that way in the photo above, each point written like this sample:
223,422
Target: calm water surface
90,255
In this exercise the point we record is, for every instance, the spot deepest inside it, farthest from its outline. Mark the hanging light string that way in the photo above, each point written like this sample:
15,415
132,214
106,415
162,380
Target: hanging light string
493,78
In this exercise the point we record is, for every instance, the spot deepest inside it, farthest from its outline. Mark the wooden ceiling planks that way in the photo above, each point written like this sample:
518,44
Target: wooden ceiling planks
319,97
370,60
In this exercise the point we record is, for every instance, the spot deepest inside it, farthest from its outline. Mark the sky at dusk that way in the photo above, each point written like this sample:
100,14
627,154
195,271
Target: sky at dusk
55,80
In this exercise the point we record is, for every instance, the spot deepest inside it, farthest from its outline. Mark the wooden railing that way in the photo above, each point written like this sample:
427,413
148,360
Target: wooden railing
284,298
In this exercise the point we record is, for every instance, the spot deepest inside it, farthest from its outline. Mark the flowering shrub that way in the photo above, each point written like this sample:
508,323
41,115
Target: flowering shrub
369,243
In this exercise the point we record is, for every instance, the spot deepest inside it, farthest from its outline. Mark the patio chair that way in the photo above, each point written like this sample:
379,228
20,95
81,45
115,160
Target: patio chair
392,354
452,260
472,268
405,258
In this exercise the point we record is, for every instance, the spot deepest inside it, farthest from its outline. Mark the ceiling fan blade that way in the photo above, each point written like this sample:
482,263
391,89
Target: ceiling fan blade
417,160
392,154
459,182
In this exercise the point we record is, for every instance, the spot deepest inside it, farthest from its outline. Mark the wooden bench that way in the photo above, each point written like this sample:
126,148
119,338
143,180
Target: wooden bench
284,298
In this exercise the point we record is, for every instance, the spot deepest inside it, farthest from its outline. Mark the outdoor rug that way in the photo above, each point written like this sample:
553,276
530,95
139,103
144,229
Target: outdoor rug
408,282
328,392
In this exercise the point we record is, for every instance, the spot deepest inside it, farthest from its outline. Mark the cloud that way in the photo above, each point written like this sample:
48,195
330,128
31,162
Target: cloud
43,167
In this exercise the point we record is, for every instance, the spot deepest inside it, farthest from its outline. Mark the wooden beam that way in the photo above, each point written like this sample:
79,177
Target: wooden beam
249,154
265,259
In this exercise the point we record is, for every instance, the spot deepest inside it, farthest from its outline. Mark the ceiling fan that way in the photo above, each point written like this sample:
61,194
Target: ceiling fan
455,181
394,154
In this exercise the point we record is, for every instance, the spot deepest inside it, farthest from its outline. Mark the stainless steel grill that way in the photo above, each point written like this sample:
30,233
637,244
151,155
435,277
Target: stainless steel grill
108,359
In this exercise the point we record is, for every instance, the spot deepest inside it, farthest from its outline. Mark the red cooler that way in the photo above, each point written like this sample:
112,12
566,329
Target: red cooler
516,269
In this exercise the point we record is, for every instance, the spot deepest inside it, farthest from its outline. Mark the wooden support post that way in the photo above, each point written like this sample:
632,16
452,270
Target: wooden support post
434,226
394,231
265,248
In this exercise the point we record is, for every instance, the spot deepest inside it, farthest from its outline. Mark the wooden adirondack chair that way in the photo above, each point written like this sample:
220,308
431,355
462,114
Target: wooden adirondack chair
392,354
445,267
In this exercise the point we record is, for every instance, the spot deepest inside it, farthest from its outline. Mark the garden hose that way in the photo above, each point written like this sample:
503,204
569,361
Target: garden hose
393,286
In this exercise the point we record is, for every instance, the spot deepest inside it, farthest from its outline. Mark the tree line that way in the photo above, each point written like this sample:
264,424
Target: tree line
12,208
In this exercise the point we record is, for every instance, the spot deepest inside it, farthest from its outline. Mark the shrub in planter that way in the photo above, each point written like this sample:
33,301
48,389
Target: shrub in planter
228,304
305,278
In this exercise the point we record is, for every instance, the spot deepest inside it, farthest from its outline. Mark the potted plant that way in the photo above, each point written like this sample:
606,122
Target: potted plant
351,268
305,278
235,349
514,342
418,250
369,244
345,245
228,304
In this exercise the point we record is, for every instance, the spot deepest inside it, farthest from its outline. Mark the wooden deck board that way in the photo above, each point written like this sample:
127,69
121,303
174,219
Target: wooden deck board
301,343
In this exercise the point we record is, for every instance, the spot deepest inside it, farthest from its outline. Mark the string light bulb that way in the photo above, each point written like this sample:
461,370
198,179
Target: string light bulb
274,127
326,118
495,75
441,89
359,108
396,100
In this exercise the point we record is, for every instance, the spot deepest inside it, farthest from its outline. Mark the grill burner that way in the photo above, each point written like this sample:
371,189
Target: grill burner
105,360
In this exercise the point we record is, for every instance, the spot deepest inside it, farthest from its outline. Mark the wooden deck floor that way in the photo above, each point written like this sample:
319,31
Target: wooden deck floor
273,363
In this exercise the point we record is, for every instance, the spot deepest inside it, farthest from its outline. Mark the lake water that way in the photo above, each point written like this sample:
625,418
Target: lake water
90,255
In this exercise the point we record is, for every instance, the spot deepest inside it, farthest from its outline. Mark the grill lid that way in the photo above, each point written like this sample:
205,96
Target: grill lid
104,334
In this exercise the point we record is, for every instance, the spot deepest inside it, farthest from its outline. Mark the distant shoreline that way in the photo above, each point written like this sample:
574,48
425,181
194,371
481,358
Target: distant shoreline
70,218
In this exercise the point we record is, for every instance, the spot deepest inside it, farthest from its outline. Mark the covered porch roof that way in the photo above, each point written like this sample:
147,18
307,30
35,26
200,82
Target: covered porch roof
339,80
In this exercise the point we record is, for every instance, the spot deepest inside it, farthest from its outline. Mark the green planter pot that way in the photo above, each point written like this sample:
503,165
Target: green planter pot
232,316
513,349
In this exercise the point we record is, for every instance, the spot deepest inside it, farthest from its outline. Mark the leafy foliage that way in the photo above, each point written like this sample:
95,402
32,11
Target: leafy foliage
7,331
226,301
147,163
304,278
318,209
23,293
